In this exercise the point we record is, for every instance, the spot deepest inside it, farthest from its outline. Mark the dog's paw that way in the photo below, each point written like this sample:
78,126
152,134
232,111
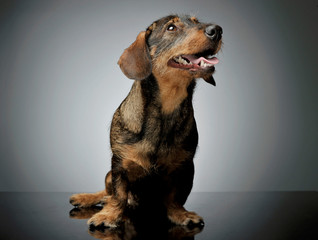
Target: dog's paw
185,218
84,200
103,220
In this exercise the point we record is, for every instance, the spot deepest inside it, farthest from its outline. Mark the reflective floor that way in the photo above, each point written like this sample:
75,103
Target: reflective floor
251,215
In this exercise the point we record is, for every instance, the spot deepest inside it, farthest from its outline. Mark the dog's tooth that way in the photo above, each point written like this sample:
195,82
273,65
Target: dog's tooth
183,61
208,65
201,63
186,61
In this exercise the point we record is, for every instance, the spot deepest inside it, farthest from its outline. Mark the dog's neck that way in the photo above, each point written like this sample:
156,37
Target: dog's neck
173,90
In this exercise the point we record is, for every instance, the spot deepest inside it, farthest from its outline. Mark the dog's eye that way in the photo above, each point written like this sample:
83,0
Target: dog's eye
171,28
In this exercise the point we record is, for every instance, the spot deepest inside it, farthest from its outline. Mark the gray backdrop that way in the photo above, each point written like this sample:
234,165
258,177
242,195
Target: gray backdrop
60,85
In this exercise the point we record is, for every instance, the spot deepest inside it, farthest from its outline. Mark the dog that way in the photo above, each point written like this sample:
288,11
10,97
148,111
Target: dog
153,133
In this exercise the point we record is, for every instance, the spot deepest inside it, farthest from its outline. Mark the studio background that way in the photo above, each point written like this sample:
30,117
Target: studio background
60,85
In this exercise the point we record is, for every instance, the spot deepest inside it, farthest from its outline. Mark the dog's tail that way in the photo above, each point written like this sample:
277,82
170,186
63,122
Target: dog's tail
88,199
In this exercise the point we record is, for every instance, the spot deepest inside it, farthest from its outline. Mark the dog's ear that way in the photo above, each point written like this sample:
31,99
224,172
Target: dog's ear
135,62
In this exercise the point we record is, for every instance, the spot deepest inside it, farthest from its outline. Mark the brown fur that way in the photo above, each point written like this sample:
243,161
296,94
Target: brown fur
135,61
194,19
87,199
153,133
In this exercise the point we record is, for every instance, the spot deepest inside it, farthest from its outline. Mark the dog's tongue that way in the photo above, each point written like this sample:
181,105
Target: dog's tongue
196,60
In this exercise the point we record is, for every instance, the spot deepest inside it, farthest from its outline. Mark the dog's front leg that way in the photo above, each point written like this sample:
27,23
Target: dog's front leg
181,185
112,212
178,215
122,174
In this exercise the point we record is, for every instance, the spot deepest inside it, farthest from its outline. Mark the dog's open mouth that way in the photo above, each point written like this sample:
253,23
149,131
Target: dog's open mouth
194,62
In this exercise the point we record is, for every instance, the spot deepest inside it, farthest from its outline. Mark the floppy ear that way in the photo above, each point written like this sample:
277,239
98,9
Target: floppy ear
135,62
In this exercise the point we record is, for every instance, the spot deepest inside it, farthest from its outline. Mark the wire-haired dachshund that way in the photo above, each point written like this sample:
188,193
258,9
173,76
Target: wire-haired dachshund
153,132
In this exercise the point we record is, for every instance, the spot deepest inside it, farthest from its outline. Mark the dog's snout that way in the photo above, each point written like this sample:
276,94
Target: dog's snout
214,32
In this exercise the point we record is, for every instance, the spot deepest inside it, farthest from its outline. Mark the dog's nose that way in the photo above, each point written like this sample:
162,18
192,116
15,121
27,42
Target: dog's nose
214,32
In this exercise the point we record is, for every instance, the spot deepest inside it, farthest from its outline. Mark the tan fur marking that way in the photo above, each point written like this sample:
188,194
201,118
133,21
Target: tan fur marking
132,109
121,191
134,171
173,159
194,19
136,155
176,19
108,183
172,93
180,216
153,51
195,40
87,199
152,27
110,215
173,83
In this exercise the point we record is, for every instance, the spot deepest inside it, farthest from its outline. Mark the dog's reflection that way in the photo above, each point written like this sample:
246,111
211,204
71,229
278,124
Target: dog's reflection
138,224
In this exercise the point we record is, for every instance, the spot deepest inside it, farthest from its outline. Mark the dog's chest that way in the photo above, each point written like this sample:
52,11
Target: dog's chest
168,138
172,159
143,133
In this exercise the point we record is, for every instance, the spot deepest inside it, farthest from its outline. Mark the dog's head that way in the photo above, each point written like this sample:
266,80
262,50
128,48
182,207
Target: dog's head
174,45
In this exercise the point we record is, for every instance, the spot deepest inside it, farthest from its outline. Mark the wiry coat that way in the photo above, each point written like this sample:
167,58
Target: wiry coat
153,132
